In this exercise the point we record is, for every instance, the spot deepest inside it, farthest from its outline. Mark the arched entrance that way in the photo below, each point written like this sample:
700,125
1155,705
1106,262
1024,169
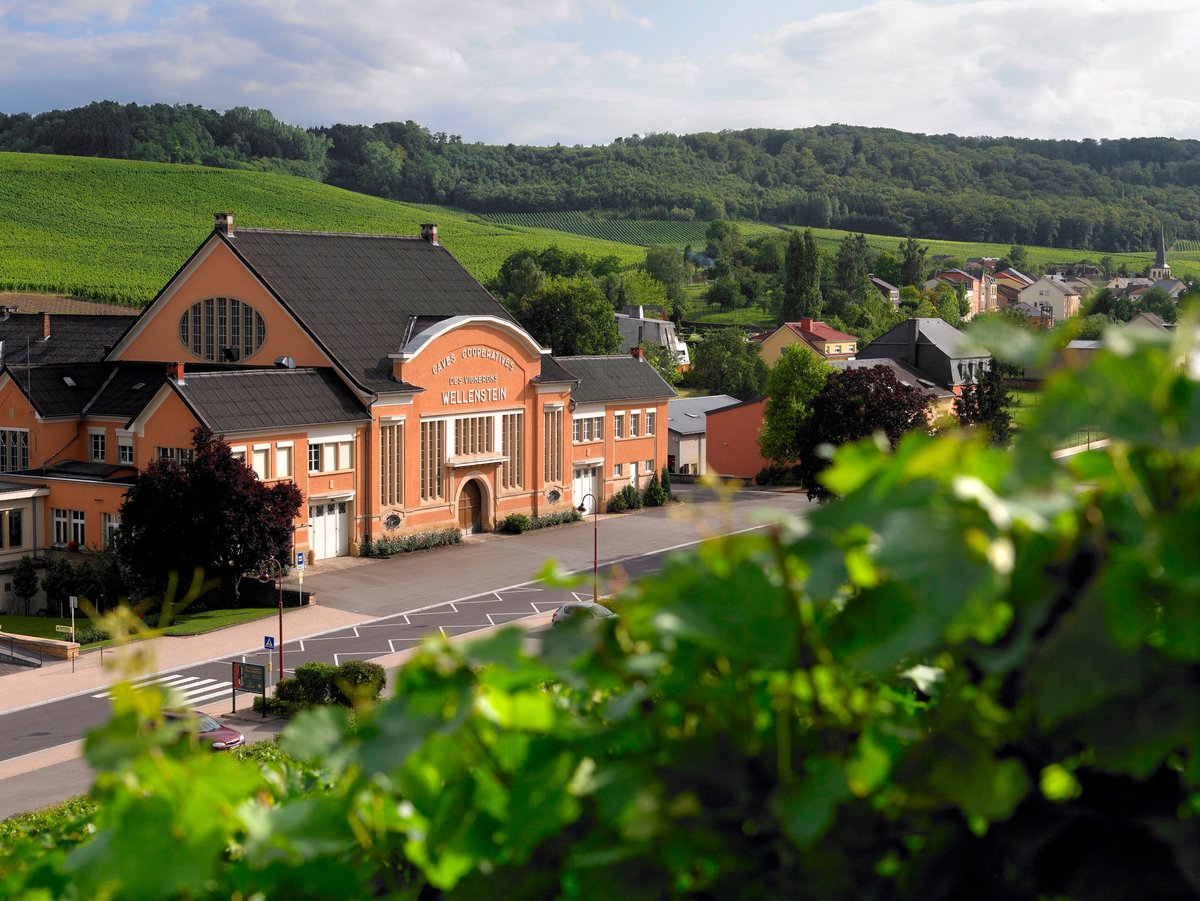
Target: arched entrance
470,507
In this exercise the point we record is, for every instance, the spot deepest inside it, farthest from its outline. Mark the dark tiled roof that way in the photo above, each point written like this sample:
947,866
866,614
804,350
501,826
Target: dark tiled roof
128,389
62,389
243,400
552,372
611,378
73,338
931,331
7,487
904,373
358,294
82,470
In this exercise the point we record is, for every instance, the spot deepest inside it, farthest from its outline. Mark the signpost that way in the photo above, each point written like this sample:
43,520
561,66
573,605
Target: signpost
249,677
268,642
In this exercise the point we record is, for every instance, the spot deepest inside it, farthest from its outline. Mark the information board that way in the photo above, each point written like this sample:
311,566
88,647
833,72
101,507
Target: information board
249,677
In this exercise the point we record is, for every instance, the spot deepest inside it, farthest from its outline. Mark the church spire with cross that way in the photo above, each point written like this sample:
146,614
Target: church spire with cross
1161,268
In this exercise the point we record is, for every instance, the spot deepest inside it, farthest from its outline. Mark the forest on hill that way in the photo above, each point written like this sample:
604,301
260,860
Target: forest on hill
1107,195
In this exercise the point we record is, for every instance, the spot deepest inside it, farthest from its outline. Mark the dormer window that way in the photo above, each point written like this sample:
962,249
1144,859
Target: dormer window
220,329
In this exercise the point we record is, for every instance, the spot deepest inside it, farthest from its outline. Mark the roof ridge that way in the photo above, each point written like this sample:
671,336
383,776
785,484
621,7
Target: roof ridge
297,231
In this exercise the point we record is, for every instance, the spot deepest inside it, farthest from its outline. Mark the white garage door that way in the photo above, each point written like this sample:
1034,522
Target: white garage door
329,529
585,482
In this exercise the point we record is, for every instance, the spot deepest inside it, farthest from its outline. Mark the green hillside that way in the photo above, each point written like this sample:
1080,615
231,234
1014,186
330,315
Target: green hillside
117,230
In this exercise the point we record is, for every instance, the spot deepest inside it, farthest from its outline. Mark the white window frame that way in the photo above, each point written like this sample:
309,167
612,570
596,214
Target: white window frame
125,449
618,425
261,452
97,446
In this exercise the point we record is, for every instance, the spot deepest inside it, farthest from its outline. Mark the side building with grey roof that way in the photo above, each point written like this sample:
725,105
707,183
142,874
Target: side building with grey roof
687,439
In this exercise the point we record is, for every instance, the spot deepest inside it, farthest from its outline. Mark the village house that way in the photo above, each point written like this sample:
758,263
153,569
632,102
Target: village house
826,342
687,431
371,370
1061,295
936,352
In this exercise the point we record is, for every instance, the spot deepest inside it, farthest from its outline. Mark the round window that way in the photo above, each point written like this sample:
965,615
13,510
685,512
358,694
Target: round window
222,330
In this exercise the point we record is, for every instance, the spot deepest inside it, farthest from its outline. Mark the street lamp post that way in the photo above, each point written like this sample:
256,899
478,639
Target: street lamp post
265,577
582,508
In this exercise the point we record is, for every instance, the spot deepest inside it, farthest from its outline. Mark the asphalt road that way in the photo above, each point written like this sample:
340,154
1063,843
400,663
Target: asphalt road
452,591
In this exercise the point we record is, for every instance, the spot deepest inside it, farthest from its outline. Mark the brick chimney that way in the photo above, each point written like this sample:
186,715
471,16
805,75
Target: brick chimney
429,232
45,326
637,353
806,325
175,371
223,223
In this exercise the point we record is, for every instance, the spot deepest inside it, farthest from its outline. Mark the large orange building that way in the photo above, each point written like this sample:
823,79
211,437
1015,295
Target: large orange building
371,370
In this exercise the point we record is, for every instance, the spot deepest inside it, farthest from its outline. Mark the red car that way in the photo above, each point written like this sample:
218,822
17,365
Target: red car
207,729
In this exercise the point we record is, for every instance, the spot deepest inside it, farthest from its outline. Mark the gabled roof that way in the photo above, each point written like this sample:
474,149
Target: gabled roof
930,331
250,400
62,389
818,331
686,415
612,378
1013,274
74,338
358,295
880,283
904,374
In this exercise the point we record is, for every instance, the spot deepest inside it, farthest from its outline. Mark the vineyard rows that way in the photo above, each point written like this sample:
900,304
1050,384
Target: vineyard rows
643,232
115,230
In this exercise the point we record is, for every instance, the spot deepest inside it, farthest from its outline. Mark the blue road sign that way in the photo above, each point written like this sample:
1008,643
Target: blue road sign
299,558
268,643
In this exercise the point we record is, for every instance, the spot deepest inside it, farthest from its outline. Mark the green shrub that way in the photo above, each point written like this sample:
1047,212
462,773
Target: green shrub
389,547
616,504
628,498
654,496
316,682
289,690
91,635
277,707
555,519
515,524
666,482
357,681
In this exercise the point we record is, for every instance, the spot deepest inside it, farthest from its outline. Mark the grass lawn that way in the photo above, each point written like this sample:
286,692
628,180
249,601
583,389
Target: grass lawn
186,624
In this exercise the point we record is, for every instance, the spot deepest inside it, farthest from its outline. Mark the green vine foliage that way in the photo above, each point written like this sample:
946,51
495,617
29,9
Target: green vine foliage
973,675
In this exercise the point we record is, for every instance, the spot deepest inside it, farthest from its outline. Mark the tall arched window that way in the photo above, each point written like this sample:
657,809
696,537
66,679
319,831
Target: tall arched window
222,329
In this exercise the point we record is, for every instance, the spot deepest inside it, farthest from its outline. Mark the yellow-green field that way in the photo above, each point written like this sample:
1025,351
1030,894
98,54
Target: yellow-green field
116,230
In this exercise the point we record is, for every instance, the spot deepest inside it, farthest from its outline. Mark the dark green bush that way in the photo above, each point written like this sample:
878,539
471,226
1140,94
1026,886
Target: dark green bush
290,691
91,635
628,498
515,524
616,504
654,495
358,681
316,682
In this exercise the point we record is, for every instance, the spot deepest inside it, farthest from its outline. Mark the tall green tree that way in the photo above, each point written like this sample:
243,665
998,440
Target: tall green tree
802,278
25,582
667,267
853,265
986,404
211,513
724,361
912,263
570,316
795,381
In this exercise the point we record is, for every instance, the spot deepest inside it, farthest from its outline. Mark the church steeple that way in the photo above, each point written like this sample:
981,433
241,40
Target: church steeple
1161,269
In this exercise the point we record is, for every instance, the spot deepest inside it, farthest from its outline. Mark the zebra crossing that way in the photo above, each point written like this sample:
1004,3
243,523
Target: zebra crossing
193,689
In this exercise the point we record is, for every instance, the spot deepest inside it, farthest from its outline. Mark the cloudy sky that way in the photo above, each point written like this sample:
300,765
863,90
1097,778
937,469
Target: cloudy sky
587,71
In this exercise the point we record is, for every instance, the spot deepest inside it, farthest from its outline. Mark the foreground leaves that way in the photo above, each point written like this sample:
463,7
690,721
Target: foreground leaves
974,675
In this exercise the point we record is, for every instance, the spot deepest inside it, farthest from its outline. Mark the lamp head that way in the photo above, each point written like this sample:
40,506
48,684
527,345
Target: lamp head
582,508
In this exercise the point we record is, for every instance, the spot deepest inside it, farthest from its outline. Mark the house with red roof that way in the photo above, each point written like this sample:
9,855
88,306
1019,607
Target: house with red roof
818,337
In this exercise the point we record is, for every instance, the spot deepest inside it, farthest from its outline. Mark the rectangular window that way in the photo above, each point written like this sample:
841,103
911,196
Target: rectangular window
14,449
649,467
552,462
261,463
98,449
474,435
589,428
125,449
283,461
108,525
330,456
391,464
617,471
238,453
433,456
15,533
634,420
651,417
512,434
618,425
69,526
181,454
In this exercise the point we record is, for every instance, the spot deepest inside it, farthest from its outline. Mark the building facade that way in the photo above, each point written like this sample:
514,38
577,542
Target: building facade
373,371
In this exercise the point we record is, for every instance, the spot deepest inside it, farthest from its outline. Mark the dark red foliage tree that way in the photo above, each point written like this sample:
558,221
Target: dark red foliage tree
853,404
211,512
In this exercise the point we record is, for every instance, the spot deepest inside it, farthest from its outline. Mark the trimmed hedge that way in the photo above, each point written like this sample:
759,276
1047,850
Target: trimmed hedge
515,523
389,547
321,684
